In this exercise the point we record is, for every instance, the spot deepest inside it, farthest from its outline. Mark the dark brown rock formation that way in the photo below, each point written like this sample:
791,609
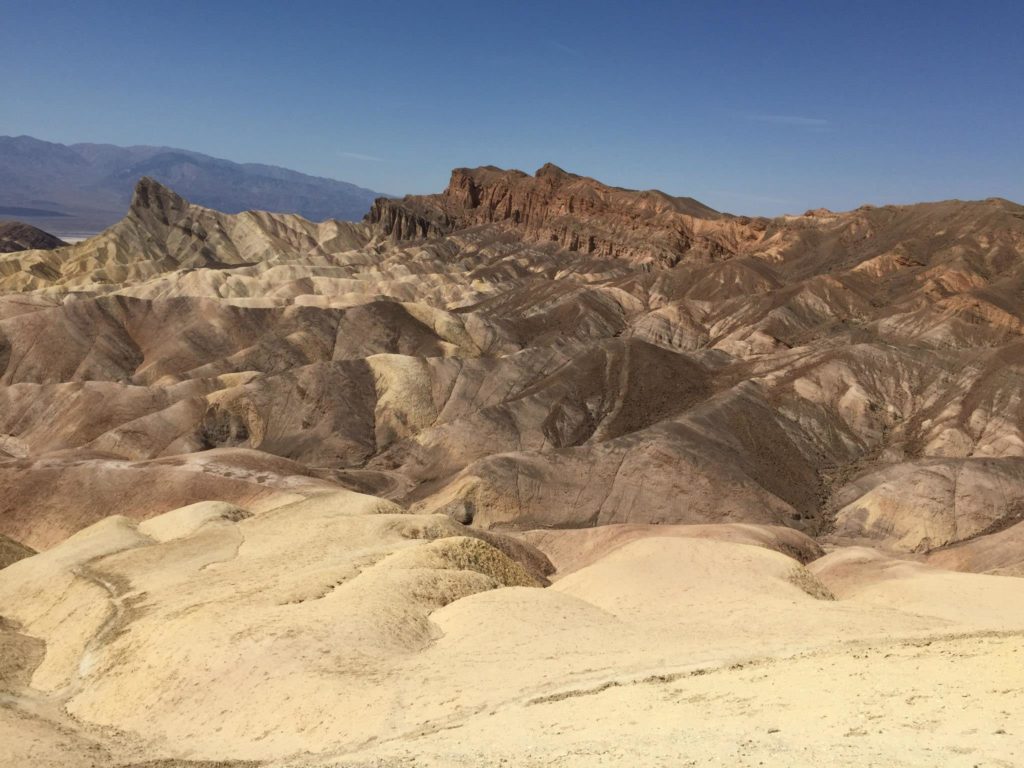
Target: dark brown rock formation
16,236
572,212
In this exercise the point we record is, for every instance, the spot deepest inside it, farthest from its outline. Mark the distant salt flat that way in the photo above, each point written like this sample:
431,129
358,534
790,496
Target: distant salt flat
77,237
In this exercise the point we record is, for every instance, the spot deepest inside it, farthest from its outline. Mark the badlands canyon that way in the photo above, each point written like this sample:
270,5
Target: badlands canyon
534,471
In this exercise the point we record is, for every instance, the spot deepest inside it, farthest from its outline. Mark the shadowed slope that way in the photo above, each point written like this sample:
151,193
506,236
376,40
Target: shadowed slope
16,236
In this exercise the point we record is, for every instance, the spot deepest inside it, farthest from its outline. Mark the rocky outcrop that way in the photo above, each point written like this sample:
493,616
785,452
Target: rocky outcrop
150,197
407,222
572,212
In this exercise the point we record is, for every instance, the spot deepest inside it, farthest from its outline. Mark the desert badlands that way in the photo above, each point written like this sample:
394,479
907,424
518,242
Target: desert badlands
531,472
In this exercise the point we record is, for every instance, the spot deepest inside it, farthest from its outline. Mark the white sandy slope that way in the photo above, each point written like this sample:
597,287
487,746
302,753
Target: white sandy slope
336,631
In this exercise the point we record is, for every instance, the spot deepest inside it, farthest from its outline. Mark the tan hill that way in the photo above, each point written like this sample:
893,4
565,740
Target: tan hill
337,462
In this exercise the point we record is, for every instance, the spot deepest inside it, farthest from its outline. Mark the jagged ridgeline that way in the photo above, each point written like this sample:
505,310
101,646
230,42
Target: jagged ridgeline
526,351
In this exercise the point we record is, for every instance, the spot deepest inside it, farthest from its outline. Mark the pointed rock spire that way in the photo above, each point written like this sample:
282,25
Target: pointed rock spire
152,196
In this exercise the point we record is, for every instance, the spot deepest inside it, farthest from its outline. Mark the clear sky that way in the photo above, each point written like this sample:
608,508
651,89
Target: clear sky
753,107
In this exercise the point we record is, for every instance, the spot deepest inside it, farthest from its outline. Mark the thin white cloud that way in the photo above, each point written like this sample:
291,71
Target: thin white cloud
795,120
360,156
560,46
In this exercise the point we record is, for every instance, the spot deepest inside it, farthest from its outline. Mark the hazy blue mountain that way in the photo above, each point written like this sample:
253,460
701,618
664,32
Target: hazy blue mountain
80,188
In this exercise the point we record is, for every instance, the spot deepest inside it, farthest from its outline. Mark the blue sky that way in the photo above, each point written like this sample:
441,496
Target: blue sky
751,107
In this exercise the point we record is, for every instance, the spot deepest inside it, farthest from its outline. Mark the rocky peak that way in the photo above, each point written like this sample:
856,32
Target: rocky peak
554,173
150,196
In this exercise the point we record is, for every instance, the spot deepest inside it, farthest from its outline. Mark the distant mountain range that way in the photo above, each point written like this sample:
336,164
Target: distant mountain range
85,188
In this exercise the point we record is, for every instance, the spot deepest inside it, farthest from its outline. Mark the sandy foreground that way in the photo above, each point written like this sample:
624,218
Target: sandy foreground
337,631
945,701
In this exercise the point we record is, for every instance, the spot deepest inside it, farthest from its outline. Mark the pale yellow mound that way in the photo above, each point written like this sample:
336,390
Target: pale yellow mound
184,521
311,605
681,651
964,600
573,548
1000,553
338,631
